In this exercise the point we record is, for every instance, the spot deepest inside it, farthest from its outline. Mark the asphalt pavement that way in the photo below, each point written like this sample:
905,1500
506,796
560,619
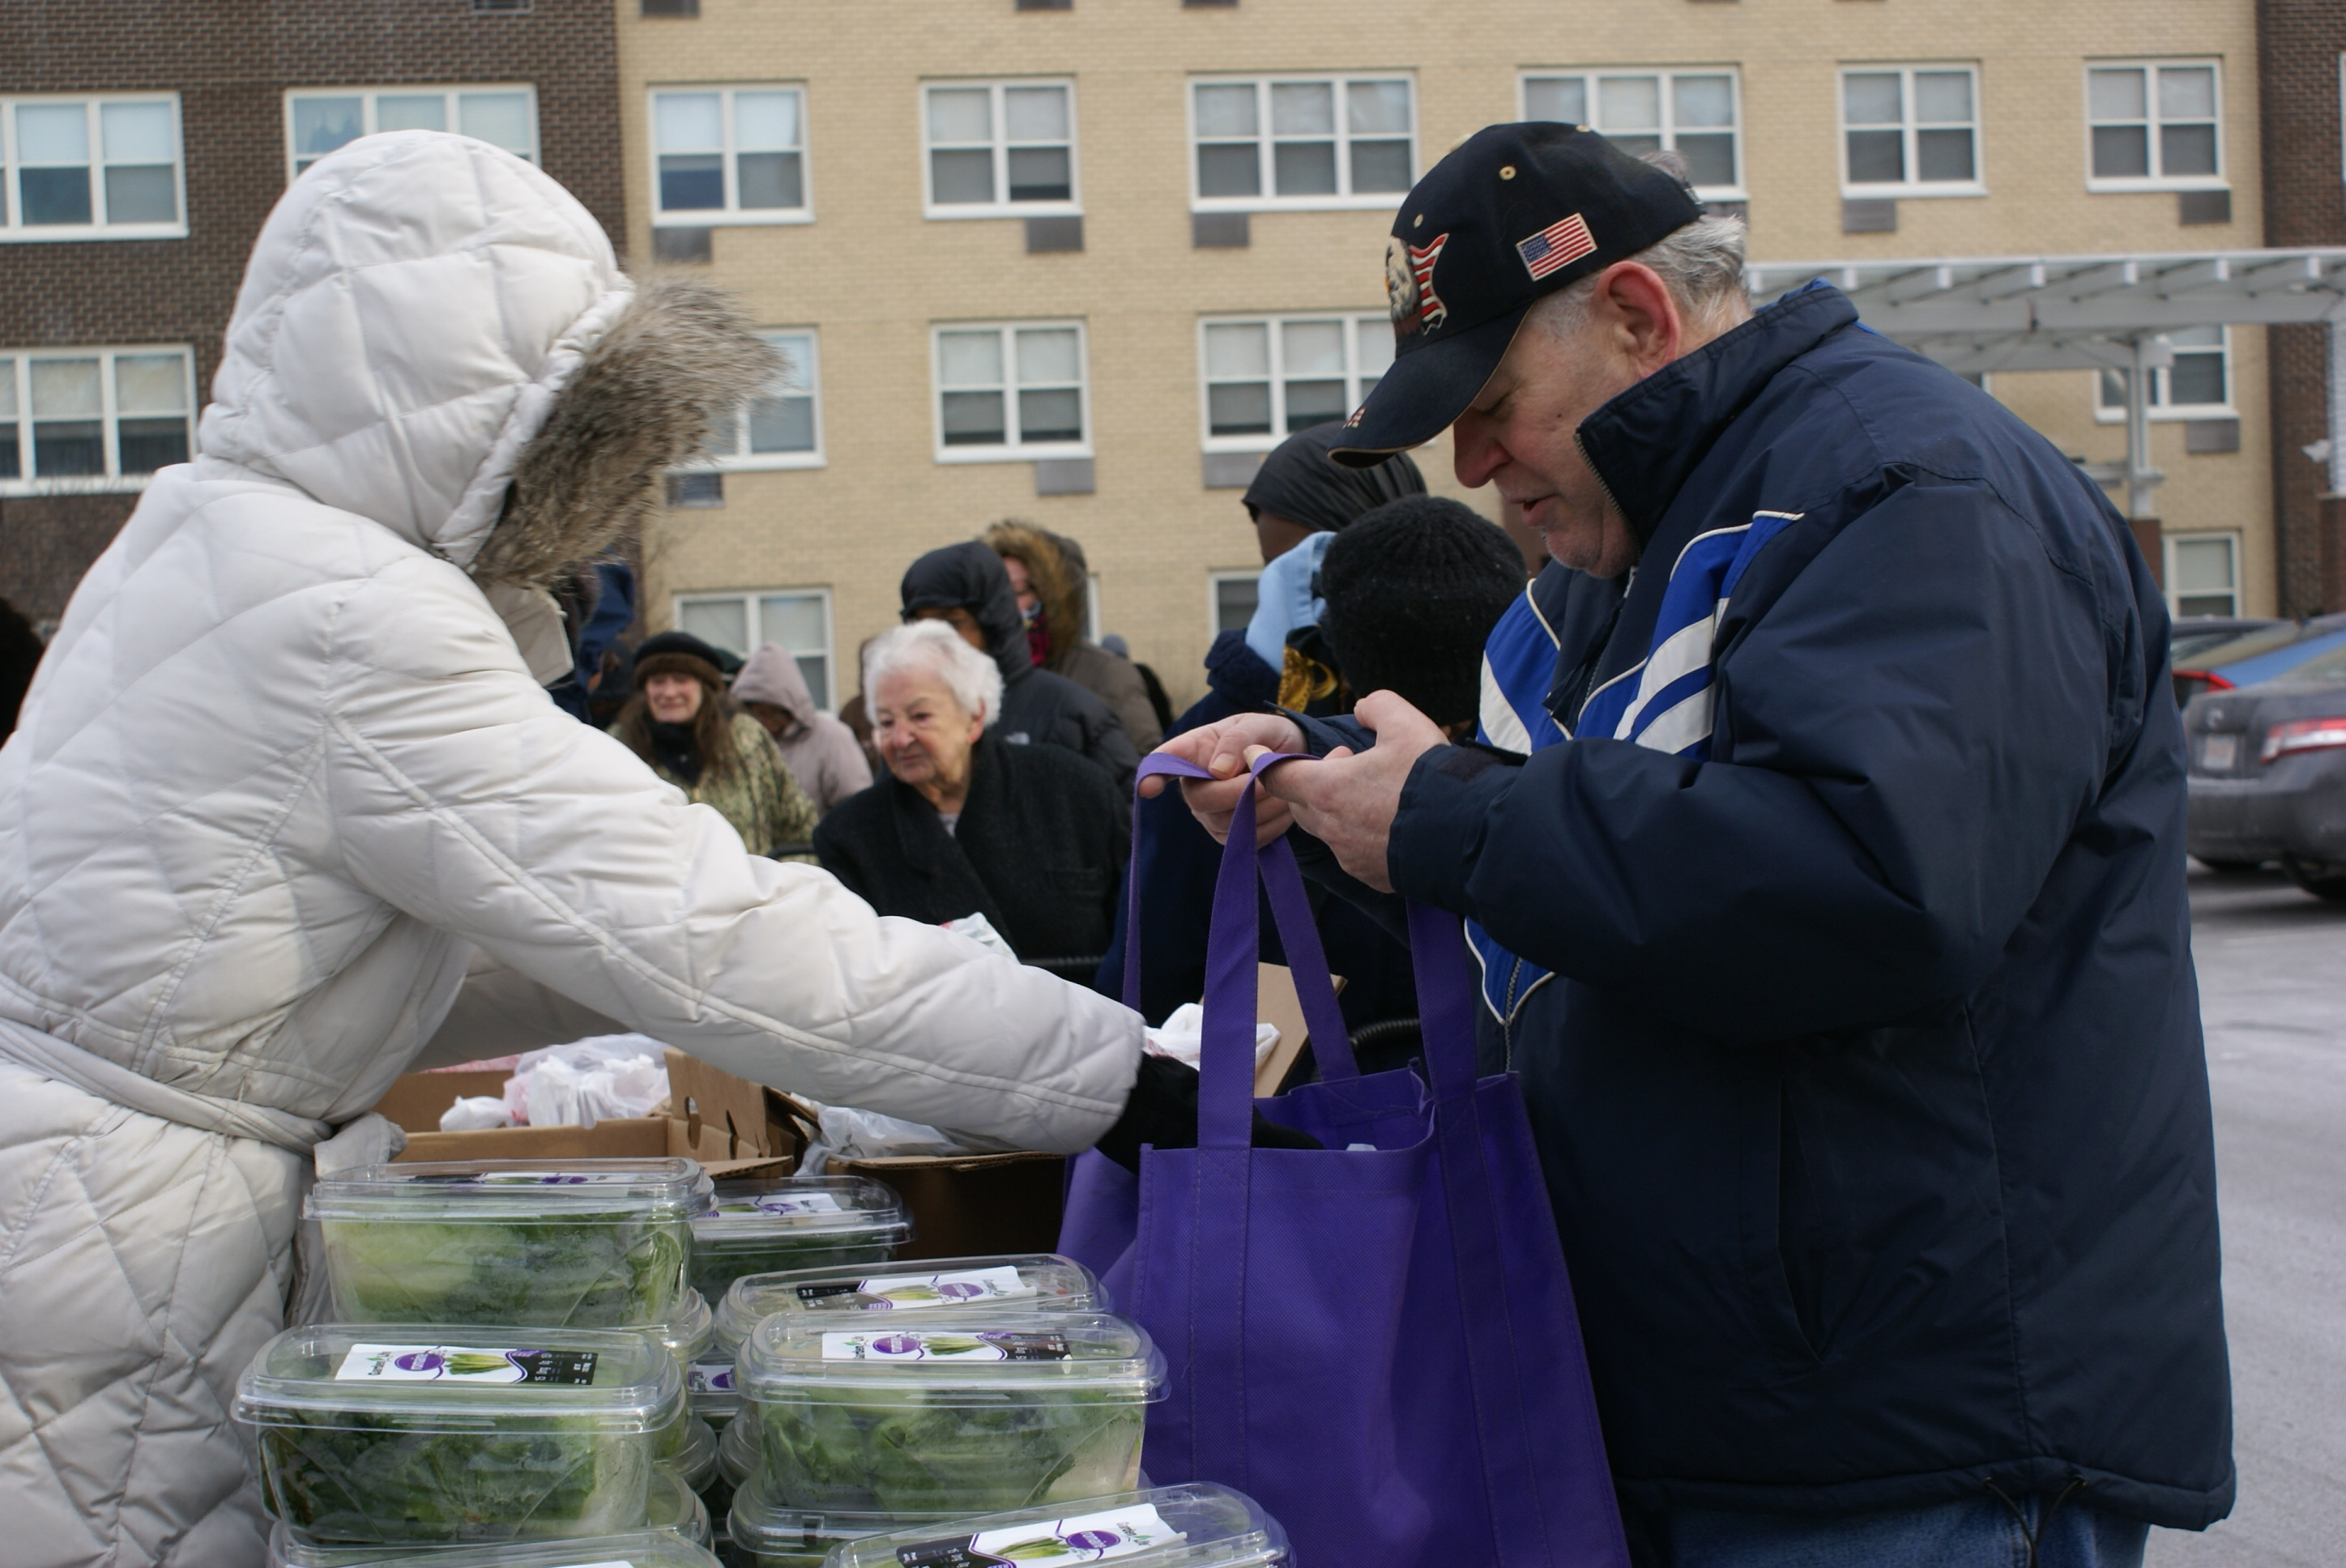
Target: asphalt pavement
2272,984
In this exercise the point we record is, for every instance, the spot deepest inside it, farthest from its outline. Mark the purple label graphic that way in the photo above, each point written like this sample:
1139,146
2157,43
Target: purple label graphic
896,1344
961,1291
1093,1540
420,1362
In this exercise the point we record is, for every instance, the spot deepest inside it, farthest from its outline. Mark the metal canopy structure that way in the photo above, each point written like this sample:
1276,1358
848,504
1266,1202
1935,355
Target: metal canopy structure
1981,314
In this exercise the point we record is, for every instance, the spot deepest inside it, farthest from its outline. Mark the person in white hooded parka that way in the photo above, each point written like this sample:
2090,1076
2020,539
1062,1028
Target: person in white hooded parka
287,774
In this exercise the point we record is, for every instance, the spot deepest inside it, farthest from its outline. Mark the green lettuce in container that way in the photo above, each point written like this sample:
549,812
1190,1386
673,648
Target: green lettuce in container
1195,1526
638,1549
1024,1282
760,1225
766,1533
393,1435
582,1244
671,1509
995,1410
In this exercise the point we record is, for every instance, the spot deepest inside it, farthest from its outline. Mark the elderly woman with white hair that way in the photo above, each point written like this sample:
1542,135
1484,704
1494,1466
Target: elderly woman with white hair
967,823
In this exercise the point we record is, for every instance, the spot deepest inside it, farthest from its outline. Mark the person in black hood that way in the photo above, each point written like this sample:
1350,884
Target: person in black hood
1300,491
967,586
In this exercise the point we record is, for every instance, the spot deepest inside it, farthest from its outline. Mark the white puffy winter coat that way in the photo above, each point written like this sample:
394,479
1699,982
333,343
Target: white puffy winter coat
284,774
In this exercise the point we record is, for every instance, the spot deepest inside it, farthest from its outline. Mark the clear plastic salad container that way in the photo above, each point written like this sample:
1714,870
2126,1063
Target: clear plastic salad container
969,1415
766,1533
757,1225
580,1243
1024,1282
670,1505
398,1434
691,1453
690,1334
639,1549
671,1508
1196,1526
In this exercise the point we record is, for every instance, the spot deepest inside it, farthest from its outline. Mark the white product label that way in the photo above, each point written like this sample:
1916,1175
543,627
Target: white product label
613,1563
709,1378
965,1288
1085,1538
463,1364
522,1178
912,1346
783,1204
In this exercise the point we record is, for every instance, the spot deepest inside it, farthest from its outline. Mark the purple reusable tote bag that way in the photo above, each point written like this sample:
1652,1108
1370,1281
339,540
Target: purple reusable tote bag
1375,1340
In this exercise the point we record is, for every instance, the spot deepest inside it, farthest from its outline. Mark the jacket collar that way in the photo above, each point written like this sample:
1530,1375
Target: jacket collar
929,849
1645,442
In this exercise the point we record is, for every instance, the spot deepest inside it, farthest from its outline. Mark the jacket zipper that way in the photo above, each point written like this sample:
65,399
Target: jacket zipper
1599,474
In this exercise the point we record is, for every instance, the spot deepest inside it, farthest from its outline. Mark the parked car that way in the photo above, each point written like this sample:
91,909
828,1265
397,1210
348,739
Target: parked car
2266,655
2267,776
2196,633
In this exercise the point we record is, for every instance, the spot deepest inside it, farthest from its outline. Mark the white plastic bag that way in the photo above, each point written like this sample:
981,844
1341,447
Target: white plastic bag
474,1114
980,930
1182,1036
848,1133
587,1081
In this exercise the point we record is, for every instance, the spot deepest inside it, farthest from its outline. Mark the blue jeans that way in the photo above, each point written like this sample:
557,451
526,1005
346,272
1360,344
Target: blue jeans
1983,1533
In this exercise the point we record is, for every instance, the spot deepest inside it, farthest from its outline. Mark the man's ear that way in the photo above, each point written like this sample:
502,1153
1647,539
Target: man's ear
1646,318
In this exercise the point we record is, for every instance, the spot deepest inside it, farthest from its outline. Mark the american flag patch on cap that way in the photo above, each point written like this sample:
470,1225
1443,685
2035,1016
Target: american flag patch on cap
1557,245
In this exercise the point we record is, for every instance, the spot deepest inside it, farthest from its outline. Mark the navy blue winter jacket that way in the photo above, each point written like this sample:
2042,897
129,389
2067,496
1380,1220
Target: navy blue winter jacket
1870,1086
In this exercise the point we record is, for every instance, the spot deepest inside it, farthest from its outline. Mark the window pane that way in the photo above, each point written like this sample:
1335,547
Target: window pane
1227,110
1711,158
52,134
796,350
1872,98
1636,144
793,620
2195,378
781,424
1049,356
964,178
815,670
766,122
1035,114
1234,603
136,133
7,389
973,419
2115,95
1229,170
501,119
1942,97
1239,408
961,115
970,359
1379,166
1313,348
1041,174
11,463
65,389
1876,157
2206,605
150,383
724,622
1236,350
1314,402
1304,168
2196,337
148,444
1302,108
1372,107
68,448
2111,389
1564,99
2203,565
691,182
1628,103
2187,92
1703,100
321,125
53,195
1375,343
1050,416
2187,150
148,194
411,111
689,122
2121,152
1944,154
770,179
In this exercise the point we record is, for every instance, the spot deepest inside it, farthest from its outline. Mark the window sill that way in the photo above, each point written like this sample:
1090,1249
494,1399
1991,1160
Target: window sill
2170,415
1246,443
1720,193
1008,210
1909,192
2123,187
780,462
79,233
720,219
128,484
1040,453
1382,202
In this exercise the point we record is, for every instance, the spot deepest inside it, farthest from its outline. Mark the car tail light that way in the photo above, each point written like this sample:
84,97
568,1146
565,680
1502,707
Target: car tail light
2191,683
2303,735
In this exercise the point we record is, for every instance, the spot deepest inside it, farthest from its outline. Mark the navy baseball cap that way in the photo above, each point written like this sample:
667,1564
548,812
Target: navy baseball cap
1513,213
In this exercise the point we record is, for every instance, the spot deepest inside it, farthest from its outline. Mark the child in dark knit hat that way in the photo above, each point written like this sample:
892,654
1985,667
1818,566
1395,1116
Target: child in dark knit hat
1413,589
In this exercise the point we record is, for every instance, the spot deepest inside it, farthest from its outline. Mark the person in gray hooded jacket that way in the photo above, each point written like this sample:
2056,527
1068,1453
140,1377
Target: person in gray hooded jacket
821,753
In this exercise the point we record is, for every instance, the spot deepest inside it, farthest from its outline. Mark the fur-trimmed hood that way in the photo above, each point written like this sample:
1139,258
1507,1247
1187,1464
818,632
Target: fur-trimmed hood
1059,584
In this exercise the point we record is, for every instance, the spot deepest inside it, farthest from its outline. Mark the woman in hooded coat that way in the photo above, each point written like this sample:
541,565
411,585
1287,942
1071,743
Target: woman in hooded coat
684,725
254,832
1052,567
821,753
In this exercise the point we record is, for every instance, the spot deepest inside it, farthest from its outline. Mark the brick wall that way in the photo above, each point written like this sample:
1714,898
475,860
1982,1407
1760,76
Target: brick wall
2297,45
231,61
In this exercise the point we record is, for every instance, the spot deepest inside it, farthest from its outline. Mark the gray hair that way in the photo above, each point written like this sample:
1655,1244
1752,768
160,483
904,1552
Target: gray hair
934,648
1701,264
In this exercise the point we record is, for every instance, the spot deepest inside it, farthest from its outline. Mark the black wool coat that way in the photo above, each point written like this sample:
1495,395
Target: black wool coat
1039,850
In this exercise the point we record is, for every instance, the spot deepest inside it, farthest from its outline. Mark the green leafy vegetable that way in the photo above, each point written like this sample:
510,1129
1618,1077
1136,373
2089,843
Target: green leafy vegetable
894,1451
716,1264
587,1271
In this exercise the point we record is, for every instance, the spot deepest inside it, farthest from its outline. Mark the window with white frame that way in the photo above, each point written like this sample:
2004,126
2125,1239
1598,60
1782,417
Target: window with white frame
1014,389
728,154
1236,594
2203,574
106,167
997,147
783,426
1909,130
2197,385
1327,141
797,620
1697,113
319,119
84,419
1268,377
2154,126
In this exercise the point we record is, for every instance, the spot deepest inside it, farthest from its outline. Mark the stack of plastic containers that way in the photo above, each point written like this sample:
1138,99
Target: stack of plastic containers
761,1226
1196,1526
507,1365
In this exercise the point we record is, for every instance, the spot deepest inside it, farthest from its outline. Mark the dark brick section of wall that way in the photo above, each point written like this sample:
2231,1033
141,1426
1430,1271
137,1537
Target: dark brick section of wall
231,61
2297,45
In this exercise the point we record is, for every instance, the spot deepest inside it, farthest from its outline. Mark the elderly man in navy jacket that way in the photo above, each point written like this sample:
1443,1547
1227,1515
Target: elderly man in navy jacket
1867,1074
